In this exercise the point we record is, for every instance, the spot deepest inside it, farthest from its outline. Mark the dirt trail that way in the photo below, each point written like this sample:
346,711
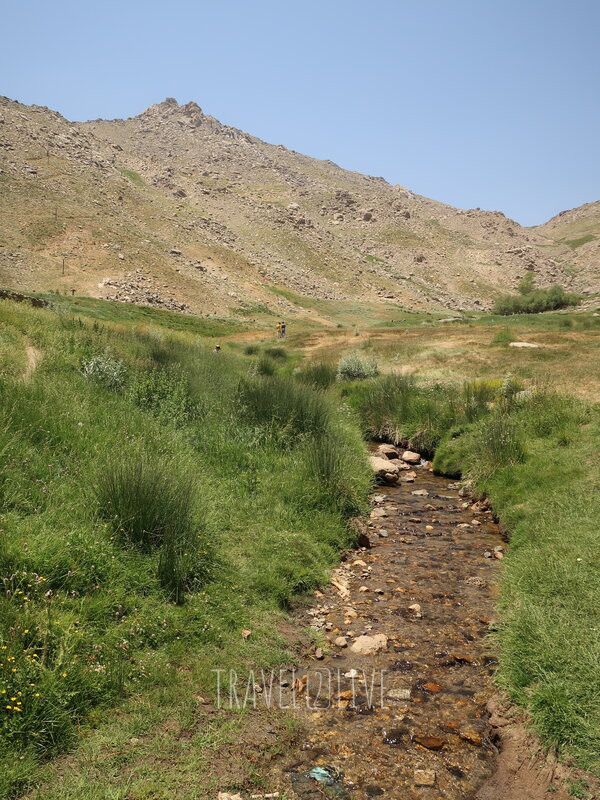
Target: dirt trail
426,589
34,357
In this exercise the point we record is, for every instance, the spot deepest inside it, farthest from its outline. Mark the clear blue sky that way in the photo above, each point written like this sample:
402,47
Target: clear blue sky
490,103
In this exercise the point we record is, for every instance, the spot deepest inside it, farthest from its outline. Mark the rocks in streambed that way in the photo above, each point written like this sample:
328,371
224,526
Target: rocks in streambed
369,645
408,476
384,469
399,694
387,451
410,457
424,777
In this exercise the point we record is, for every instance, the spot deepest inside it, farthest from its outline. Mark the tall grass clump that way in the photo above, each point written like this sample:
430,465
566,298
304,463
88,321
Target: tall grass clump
355,366
281,403
499,443
149,505
339,472
266,366
319,374
277,352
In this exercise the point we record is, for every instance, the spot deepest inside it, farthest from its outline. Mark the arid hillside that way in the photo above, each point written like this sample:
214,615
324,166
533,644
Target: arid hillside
173,209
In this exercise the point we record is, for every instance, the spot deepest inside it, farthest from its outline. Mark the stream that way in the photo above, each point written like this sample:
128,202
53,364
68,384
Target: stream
394,692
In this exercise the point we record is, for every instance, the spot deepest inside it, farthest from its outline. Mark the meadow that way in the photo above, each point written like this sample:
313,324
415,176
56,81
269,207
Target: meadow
163,506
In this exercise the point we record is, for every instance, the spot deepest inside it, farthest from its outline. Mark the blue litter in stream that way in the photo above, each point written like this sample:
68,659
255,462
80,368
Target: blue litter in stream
322,776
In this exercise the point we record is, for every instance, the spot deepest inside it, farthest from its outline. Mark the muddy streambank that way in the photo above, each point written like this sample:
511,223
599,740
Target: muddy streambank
395,692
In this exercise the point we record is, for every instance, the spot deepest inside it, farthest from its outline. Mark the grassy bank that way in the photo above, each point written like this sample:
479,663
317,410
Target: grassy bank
535,454
160,506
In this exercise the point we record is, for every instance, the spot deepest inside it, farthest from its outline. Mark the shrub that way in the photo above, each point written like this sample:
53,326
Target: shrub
251,349
355,366
535,301
106,371
318,374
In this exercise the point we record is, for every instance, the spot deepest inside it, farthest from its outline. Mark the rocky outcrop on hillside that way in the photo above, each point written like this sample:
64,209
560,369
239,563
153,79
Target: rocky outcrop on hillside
246,217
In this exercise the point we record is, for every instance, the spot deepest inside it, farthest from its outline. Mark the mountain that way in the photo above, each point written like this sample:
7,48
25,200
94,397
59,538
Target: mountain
174,209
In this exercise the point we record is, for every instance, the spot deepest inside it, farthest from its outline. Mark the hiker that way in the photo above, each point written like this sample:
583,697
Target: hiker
282,329
279,330
217,348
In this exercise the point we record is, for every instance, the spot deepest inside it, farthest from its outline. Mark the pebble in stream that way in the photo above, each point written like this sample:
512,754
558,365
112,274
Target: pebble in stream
426,587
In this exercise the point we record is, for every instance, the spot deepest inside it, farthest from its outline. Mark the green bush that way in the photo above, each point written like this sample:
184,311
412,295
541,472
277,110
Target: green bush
106,371
535,302
355,366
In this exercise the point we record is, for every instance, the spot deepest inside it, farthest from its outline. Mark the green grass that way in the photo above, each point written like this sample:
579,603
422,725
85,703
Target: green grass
146,521
575,243
133,176
128,314
319,374
156,499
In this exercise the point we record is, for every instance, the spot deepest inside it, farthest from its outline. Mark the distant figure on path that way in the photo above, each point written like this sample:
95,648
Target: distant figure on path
282,329
279,330
217,348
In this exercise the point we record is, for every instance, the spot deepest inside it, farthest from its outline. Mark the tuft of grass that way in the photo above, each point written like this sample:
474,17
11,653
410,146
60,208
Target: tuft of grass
142,498
266,366
287,408
277,353
504,336
320,374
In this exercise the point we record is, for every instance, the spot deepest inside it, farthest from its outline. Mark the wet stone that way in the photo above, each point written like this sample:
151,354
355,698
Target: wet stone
424,777
395,737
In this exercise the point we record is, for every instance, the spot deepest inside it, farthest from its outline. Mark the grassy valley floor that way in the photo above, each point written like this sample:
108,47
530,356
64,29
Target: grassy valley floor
116,607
